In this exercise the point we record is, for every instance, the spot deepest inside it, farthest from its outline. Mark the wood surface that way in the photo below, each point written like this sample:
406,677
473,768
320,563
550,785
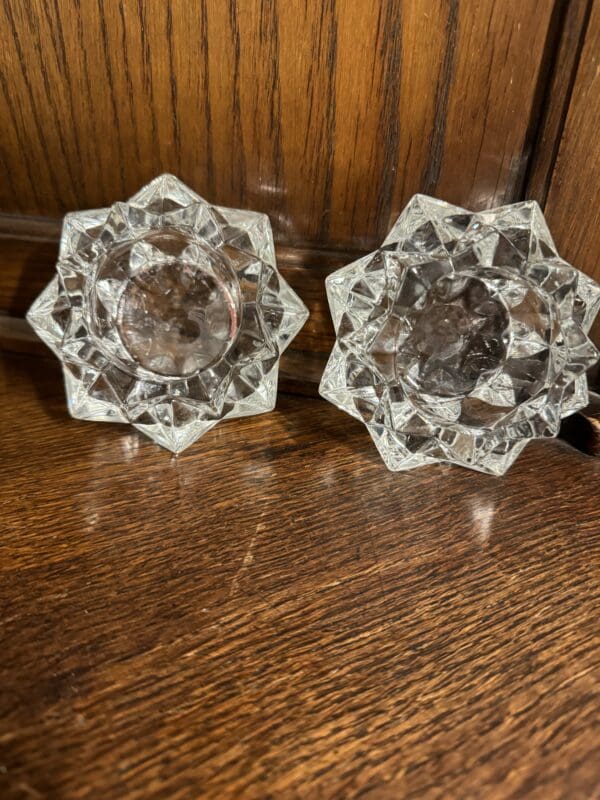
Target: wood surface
272,614
573,208
563,54
326,115
275,615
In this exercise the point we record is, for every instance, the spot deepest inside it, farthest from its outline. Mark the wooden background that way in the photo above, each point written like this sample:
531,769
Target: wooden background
273,614
327,115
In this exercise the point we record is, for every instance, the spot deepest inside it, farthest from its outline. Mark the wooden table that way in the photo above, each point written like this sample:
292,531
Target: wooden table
274,615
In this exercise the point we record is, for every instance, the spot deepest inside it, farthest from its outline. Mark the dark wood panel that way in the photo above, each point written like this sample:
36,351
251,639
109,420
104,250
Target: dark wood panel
572,207
328,116
28,255
563,54
583,430
273,614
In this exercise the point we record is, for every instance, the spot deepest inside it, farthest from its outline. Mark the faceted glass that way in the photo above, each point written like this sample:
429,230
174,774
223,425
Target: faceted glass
462,338
168,313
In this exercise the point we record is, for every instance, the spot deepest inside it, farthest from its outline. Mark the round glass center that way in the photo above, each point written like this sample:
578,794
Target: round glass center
457,335
178,313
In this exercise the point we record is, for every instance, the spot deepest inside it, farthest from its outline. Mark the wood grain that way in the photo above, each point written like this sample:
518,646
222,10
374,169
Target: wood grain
563,53
273,614
572,208
327,116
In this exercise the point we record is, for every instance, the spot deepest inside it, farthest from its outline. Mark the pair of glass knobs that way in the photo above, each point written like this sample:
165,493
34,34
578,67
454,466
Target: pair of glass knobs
459,340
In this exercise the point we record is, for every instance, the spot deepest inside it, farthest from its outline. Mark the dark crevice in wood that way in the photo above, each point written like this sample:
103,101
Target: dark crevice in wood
390,21
15,226
107,52
173,84
328,25
236,109
205,83
566,36
582,430
436,144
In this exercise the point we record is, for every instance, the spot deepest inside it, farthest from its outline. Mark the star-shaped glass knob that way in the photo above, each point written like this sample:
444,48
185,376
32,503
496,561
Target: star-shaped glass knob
462,338
168,313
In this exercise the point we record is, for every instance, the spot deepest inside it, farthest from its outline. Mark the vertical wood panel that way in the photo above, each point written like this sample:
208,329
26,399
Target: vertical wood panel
572,207
563,54
326,115
491,101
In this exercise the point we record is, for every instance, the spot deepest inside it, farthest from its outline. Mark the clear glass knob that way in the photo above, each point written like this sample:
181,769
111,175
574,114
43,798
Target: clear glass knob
462,338
168,313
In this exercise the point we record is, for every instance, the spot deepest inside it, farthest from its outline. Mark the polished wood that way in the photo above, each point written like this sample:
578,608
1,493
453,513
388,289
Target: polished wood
563,53
28,255
326,115
274,614
572,207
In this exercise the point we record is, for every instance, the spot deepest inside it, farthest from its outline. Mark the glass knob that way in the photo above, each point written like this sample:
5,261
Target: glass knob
462,338
168,313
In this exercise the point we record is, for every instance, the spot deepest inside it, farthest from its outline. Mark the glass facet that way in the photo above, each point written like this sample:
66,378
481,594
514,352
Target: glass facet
168,313
462,338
